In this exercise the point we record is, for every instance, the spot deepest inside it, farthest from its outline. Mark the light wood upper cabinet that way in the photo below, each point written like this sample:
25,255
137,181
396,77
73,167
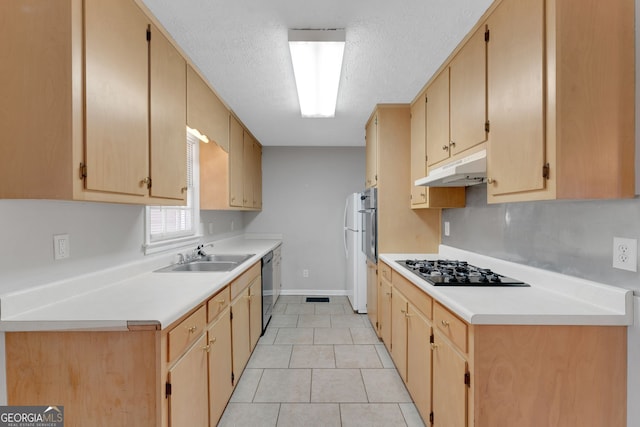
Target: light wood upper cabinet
206,112
457,103
247,169
371,152
236,161
561,100
232,179
116,97
427,197
168,109
438,119
516,97
257,175
91,98
468,94
418,148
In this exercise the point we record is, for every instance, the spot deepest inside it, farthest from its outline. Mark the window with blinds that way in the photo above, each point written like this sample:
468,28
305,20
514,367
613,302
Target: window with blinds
170,226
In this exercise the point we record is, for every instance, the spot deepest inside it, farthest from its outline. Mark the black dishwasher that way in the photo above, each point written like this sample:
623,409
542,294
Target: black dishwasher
267,289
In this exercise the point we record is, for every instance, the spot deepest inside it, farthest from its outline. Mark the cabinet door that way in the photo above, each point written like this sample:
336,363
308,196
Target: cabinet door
515,156
116,97
236,158
372,295
256,165
206,112
449,389
247,175
418,149
384,317
188,402
240,333
438,119
371,152
255,307
419,361
168,111
468,85
399,333
220,366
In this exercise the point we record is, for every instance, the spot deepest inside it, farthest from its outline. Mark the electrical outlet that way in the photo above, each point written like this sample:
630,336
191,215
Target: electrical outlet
447,228
305,273
625,254
210,228
61,248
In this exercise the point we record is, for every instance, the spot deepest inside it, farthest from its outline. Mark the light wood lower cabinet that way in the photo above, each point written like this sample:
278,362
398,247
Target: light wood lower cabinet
450,389
372,295
180,376
220,366
188,402
460,375
418,376
399,306
246,320
255,308
384,313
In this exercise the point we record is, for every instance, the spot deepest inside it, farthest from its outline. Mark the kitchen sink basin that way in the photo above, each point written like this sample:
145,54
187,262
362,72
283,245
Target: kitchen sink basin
208,263
205,266
227,258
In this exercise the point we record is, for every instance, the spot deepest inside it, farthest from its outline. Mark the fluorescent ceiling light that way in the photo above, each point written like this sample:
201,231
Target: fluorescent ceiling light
317,62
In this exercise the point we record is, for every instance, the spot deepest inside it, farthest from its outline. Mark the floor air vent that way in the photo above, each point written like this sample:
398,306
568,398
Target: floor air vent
317,299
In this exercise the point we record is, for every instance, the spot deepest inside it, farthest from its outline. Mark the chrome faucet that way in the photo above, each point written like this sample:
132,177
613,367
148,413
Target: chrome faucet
199,252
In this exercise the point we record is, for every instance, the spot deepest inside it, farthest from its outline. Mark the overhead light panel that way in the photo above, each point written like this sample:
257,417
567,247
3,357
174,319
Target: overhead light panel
317,62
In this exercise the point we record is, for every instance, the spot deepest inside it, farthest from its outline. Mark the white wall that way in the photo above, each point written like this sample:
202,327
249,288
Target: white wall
101,235
304,194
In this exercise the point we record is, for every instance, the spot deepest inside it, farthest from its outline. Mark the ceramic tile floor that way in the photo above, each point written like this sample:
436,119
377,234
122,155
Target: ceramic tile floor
319,364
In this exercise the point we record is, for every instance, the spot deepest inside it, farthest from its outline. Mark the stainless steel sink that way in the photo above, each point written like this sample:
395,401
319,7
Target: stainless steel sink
206,266
228,258
208,263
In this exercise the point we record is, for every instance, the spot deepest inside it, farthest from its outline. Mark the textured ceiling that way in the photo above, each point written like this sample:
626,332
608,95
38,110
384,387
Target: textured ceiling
392,49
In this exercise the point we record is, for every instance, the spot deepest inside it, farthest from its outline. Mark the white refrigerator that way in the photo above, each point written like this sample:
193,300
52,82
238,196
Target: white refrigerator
356,259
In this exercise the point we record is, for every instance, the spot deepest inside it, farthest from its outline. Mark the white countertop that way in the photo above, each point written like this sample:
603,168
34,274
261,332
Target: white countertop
127,295
552,298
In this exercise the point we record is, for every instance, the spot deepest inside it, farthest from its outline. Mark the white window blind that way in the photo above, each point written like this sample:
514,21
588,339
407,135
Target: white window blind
169,226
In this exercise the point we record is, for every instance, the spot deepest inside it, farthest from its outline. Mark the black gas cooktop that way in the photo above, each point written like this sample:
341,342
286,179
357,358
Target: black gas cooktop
457,273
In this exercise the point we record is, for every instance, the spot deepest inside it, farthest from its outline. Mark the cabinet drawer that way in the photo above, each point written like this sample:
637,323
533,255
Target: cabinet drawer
218,303
450,326
386,271
415,296
238,285
186,332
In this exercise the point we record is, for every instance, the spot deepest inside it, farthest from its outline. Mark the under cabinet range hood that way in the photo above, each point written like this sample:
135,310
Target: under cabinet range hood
463,172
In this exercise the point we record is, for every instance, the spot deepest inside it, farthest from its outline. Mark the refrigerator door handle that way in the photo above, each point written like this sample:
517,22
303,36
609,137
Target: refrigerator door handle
344,237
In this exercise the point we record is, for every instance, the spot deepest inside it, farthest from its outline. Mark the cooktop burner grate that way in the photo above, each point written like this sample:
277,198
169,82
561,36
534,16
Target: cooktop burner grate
457,273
